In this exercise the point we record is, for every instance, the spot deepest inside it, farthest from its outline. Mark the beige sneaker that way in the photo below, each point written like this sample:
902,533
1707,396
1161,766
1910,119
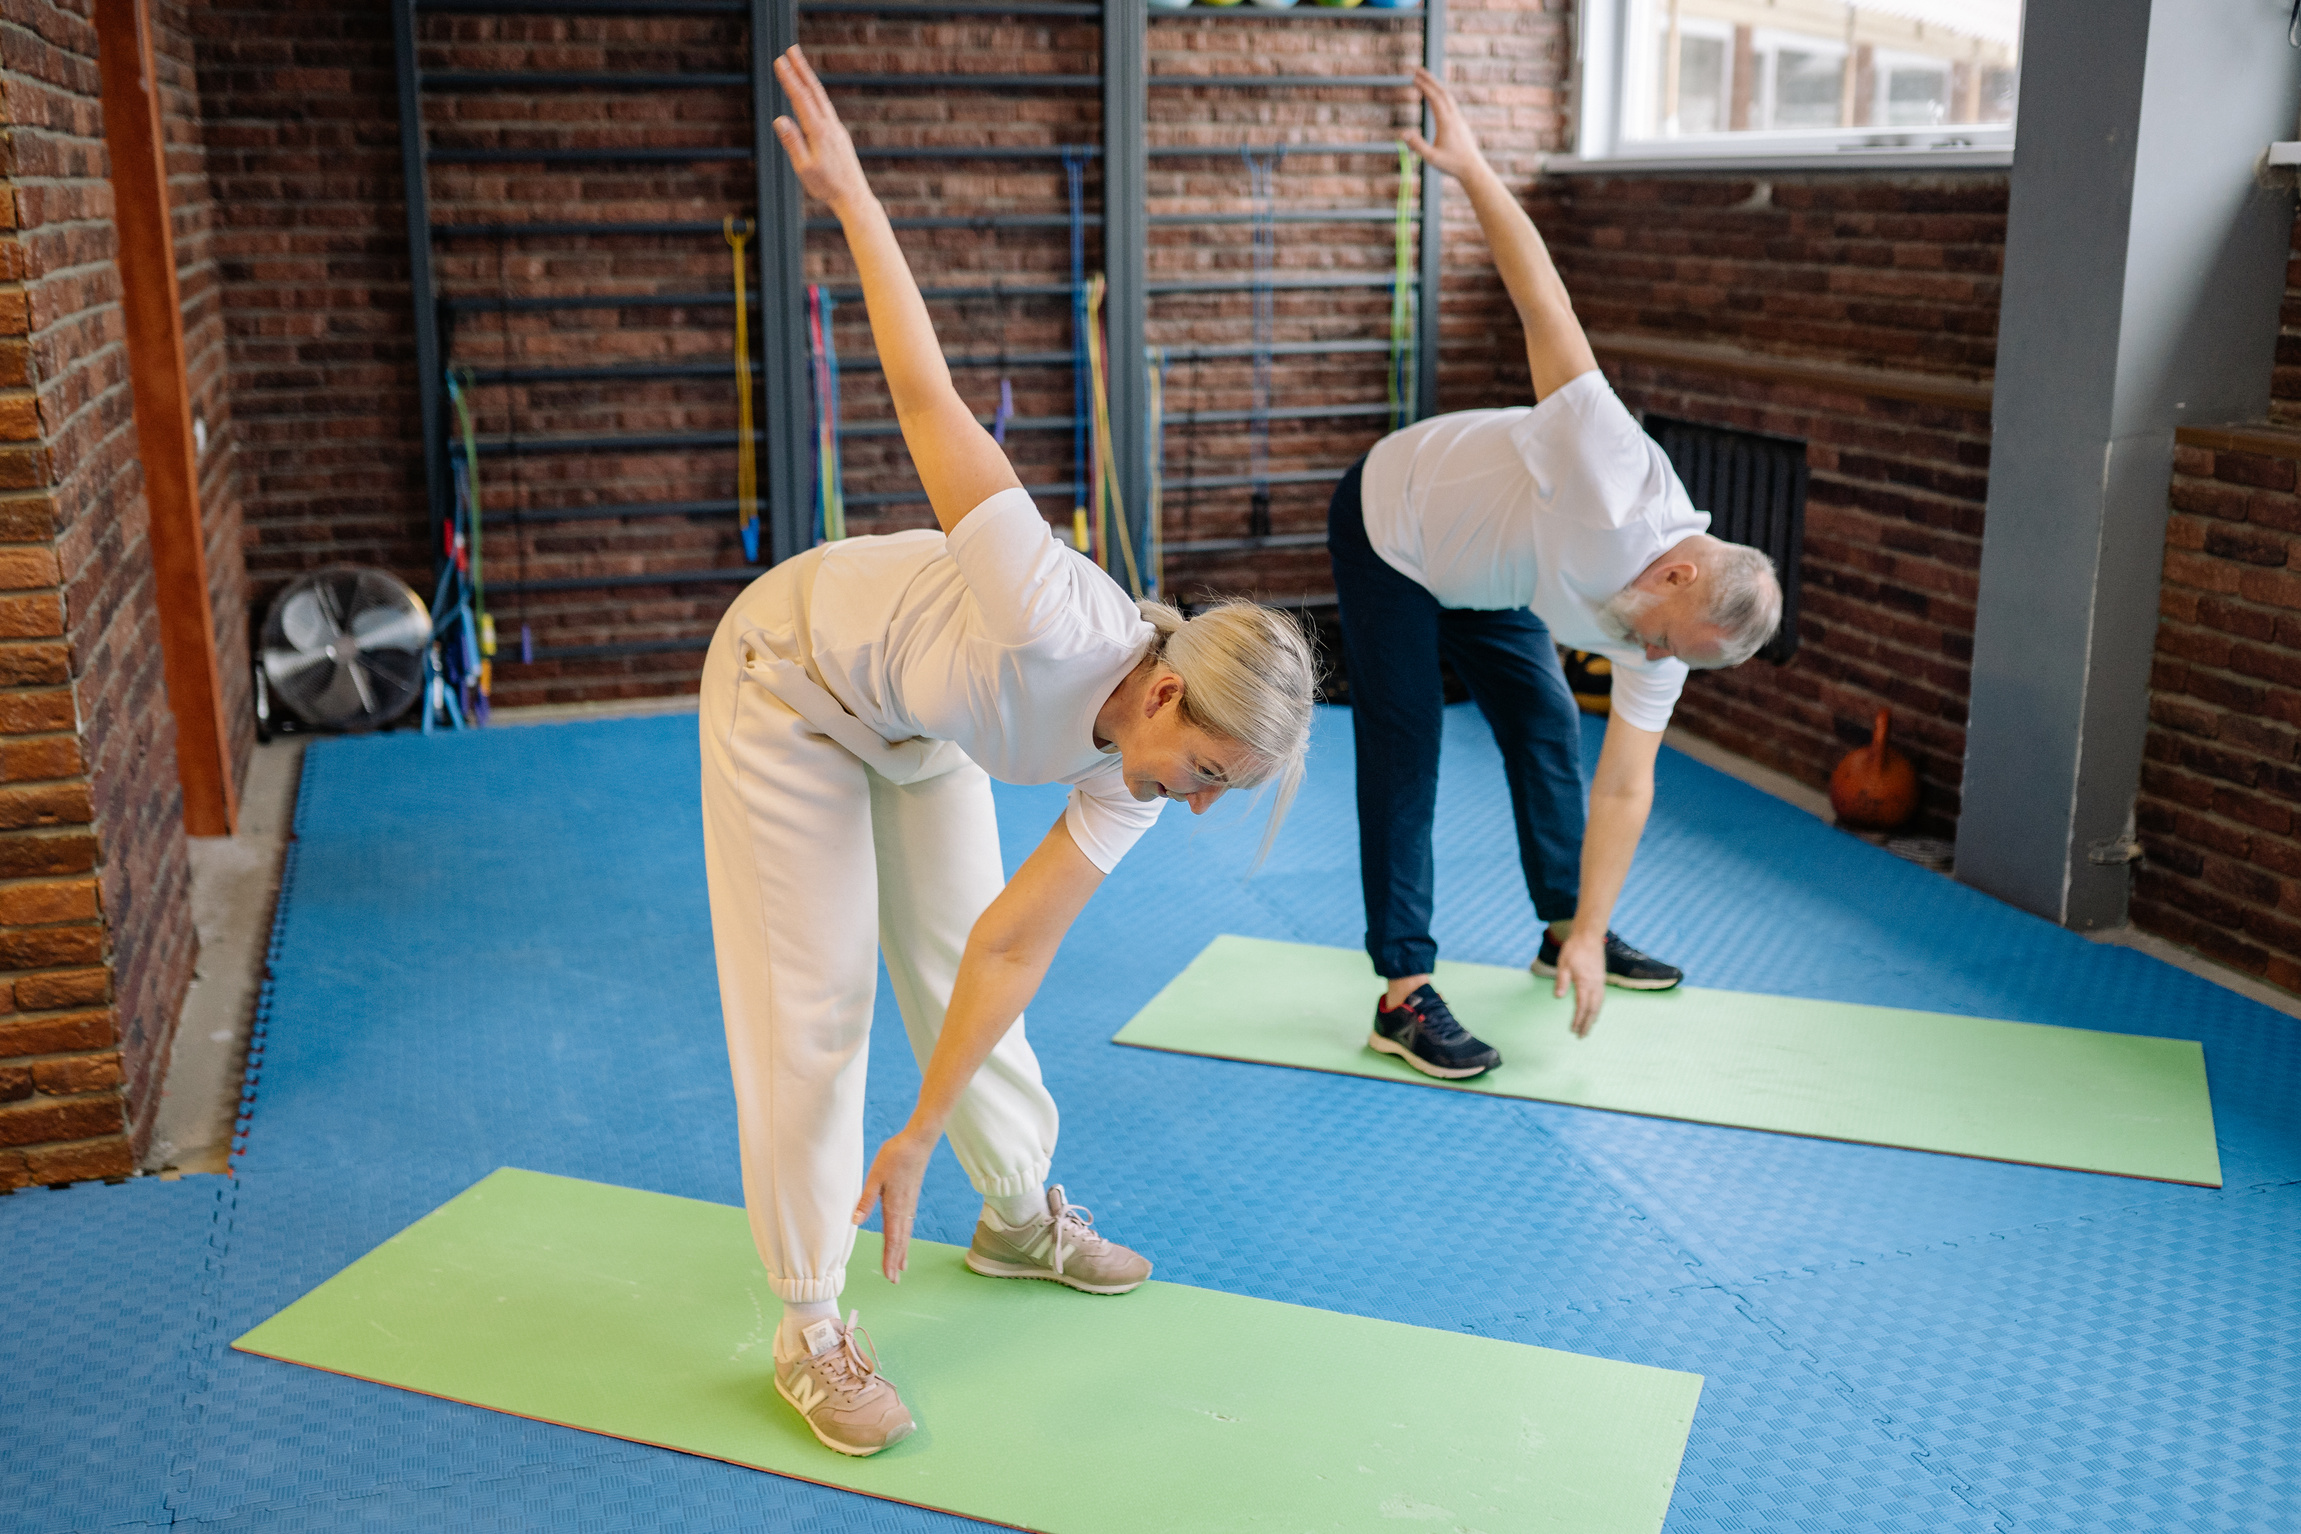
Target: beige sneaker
846,1402
1062,1246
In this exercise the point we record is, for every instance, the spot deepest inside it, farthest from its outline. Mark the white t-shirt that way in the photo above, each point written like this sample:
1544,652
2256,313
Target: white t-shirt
996,638
1555,506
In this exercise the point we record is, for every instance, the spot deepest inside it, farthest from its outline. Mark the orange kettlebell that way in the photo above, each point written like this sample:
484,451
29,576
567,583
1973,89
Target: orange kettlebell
1875,788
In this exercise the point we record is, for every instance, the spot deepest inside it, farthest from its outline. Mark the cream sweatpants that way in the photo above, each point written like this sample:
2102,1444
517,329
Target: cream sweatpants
817,863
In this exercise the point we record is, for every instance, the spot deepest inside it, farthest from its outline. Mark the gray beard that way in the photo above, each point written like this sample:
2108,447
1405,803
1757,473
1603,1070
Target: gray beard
1618,615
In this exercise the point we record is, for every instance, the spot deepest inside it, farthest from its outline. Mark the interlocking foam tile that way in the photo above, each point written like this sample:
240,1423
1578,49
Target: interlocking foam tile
101,1288
656,1490
496,950
2115,1376
1779,1443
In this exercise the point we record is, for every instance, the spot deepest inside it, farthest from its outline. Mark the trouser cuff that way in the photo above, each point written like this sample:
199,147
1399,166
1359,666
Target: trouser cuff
808,1291
1012,1183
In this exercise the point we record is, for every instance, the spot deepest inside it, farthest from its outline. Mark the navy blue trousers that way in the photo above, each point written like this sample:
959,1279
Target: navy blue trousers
1394,634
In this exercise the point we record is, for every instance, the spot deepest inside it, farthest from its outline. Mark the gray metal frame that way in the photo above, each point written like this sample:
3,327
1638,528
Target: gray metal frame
430,385
1126,173
1433,230
788,487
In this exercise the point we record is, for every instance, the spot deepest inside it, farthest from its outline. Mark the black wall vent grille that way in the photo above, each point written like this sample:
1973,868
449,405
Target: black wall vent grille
1754,488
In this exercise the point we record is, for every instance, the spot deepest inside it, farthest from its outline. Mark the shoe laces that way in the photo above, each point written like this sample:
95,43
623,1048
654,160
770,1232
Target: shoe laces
1438,1021
1622,950
845,1367
1074,1228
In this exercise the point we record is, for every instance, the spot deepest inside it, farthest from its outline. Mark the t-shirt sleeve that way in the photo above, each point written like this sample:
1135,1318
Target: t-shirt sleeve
1024,582
1645,692
1588,455
1105,819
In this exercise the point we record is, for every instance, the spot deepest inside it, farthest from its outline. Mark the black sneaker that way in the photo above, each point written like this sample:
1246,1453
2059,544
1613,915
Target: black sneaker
1625,966
1420,1031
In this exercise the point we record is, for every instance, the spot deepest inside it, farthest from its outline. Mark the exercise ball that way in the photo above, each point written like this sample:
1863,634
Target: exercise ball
1338,5
1275,5
1875,788
1170,5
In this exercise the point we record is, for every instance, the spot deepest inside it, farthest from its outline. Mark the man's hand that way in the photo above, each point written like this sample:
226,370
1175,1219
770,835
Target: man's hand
1582,963
1455,150
896,1173
817,143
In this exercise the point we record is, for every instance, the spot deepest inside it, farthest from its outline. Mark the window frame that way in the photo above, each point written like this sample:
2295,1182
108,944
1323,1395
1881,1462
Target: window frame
1602,98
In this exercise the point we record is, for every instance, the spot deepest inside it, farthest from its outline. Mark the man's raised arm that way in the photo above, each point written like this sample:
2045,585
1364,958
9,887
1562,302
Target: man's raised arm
1556,349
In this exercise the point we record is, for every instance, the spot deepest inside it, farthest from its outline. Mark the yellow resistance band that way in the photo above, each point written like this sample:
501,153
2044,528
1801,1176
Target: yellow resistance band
1108,479
746,460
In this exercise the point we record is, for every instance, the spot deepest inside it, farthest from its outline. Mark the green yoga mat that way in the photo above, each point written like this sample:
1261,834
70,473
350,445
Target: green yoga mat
1965,1086
648,1318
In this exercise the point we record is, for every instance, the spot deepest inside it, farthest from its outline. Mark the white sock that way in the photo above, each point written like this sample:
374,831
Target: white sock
1015,1210
798,1315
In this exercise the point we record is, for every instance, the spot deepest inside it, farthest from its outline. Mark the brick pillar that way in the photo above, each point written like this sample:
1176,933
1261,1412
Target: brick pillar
96,942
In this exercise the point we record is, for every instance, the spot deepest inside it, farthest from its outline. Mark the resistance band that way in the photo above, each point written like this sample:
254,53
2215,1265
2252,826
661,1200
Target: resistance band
746,458
1401,314
1261,164
460,662
1006,410
1108,502
1074,182
830,496
1154,433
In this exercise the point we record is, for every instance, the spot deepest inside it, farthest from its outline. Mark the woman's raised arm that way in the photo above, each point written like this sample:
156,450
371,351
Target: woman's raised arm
958,463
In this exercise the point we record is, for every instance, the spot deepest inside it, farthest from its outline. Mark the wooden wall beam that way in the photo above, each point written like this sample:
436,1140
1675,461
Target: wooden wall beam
137,140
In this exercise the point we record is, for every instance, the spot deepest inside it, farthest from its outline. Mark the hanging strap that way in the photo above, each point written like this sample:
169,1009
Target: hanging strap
823,374
1106,459
1154,434
1401,310
738,233
1074,182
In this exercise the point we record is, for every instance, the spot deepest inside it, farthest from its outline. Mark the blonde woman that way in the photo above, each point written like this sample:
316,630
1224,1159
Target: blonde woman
857,701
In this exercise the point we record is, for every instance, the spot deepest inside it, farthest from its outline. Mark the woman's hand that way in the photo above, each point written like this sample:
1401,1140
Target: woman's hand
817,143
1455,151
896,1173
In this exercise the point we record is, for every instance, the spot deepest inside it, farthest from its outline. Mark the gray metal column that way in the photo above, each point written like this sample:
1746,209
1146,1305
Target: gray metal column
1125,173
2144,268
1427,288
786,481
422,298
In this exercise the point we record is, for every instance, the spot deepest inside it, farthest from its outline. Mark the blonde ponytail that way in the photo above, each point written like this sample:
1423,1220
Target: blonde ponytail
1247,675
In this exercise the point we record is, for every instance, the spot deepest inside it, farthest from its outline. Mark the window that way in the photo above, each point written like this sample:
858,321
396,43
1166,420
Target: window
1810,81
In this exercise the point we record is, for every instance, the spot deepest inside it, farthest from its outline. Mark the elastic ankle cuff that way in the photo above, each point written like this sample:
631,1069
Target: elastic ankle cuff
1013,1183
808,1291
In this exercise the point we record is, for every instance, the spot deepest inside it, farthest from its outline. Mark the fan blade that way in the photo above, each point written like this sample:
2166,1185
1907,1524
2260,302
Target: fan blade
292,672
359,674
394,629
304,621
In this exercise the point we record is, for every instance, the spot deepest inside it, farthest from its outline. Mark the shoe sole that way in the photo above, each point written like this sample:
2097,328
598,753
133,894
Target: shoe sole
840,1448
1619,982
1381,1045
990,1269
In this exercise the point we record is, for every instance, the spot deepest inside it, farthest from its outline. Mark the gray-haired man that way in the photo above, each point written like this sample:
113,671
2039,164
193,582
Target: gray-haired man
1482,537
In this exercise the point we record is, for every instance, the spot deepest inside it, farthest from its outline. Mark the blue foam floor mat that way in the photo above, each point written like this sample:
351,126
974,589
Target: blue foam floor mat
494,950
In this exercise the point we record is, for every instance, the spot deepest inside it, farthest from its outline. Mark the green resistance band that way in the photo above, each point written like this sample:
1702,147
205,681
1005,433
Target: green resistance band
1401,310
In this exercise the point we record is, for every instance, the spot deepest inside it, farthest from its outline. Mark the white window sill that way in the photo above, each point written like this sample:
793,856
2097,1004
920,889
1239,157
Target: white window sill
1995,157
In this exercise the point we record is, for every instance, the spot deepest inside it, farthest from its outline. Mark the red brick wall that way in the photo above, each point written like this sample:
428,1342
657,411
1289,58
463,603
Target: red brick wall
96,942
300,138
2285,380
305,234
1889,273
2222,775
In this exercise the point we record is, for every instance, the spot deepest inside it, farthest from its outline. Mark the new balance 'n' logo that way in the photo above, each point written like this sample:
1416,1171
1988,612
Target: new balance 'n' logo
806,1392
